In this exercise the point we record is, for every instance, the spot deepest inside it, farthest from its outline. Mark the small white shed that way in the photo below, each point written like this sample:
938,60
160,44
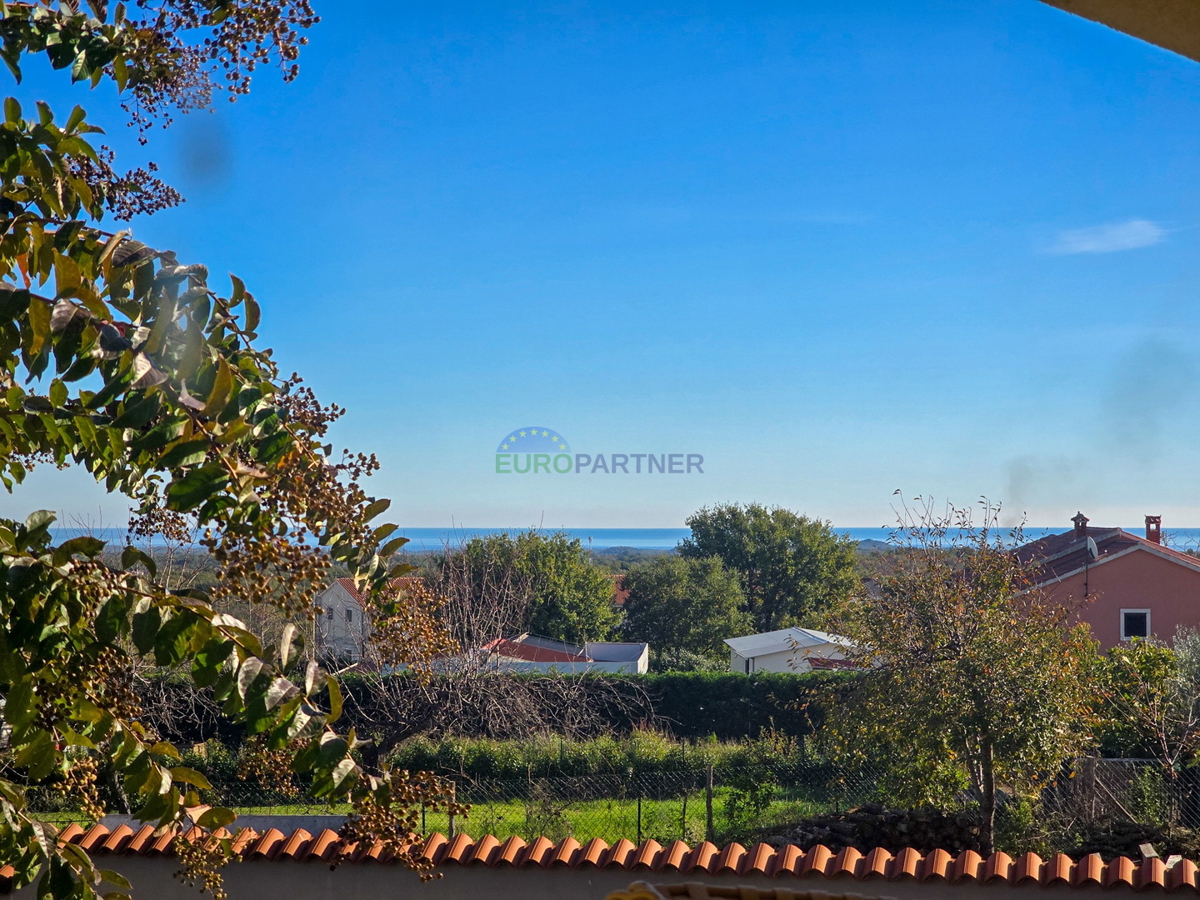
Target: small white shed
788,650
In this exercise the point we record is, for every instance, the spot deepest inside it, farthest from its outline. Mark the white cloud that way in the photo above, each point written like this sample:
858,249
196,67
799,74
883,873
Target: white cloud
1110,238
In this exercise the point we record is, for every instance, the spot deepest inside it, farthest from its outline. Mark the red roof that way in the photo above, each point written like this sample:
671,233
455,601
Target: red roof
620,592
532,653
399,583
1058,555
789,861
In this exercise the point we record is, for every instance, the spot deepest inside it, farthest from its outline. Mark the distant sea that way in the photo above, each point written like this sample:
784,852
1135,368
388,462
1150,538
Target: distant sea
433,539
425,539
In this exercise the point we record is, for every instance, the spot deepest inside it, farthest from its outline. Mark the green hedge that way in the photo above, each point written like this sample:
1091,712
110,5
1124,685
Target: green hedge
640,752
730,706
695,705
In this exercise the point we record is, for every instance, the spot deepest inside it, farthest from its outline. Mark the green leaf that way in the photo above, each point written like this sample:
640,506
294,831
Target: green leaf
286,641
75,119
186,453
218,397
116,879
375,509
335,699
84,545
12,109
217,817
190,776
39,324
145,629
253,315
39,519
167,749
110,621
197,486
132,556
38,756
389,549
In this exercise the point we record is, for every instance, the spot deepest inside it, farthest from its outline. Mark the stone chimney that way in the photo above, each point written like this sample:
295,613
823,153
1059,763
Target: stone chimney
1154,529
1080,521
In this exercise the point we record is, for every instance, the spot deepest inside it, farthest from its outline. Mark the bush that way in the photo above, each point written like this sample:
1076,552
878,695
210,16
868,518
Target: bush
643,751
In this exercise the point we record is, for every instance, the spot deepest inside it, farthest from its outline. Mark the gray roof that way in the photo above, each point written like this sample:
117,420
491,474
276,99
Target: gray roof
614,651
768,642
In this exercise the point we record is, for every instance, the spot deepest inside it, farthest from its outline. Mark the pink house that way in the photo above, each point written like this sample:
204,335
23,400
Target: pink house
1124,585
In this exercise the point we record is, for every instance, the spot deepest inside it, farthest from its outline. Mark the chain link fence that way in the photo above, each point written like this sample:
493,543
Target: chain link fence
1125,790
720,804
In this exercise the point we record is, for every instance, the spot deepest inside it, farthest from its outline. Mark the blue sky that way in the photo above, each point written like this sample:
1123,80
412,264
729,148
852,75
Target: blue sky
838,249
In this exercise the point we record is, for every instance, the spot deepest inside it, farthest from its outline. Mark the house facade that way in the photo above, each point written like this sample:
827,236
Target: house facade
342,630
531,653
788,650
1123,585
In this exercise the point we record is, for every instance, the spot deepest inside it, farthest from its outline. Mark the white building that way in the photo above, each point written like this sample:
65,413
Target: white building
342,629
530,653
788,650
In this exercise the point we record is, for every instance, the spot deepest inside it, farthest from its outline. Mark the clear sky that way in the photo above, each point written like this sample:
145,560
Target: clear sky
835,248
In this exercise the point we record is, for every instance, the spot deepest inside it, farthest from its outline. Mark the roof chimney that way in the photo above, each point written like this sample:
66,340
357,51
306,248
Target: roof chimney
1154,529
1080,521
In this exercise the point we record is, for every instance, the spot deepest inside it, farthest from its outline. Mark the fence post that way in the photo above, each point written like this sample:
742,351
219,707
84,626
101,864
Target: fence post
453,794
424,830
683,815
709,832
639,840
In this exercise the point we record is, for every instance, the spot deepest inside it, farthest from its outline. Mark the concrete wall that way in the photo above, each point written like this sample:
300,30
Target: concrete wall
1137,580
285,880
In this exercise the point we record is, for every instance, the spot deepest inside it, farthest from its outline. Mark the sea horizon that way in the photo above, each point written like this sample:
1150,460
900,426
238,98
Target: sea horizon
426,539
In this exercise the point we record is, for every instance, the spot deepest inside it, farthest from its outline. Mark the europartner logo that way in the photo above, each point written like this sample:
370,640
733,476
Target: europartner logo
539,450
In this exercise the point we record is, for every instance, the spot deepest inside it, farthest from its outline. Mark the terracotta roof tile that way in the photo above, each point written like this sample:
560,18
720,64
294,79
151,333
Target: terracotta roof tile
815,860
675,856
728,860
512,850
938,864
620,852
969,865
1089,870
758,860
999,866
788,860
483,851
907,864
565,853
706,859
702,857
876,864
1184,874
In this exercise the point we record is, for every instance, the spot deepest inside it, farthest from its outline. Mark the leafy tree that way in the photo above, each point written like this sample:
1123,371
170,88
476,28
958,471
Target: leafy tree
676,603
794,569
124,360
1152,695
970,676
533,581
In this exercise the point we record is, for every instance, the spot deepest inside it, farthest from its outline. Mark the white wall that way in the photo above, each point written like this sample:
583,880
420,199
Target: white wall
339,634
784,661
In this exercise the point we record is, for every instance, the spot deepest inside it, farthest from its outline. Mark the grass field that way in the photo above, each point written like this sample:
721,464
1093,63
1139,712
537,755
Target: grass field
663,820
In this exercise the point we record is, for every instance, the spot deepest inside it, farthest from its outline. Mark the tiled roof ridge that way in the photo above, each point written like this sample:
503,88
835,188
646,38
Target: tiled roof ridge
704,858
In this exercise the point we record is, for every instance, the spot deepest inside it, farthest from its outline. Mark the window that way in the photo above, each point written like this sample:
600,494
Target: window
349,614
1135,623
329,612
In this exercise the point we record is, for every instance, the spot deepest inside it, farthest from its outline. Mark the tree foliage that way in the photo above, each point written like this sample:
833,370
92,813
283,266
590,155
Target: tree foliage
795,570
135,365
542,583
1152,695
678,603
971,677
